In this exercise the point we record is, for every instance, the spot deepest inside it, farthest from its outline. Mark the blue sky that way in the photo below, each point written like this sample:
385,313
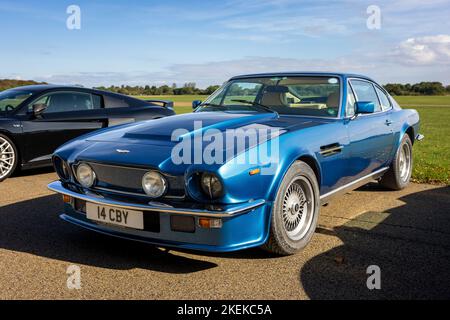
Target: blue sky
156,42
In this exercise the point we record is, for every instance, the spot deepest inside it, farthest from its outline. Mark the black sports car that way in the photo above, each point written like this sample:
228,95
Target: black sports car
35,120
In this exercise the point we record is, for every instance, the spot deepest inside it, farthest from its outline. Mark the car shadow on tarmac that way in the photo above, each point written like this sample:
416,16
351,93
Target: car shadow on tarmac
410,244
33,227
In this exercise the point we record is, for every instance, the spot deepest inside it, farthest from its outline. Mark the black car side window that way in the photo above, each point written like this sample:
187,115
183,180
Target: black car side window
67,102
112,102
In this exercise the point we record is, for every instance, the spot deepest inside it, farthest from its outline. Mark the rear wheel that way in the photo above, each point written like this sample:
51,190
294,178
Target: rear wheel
295,211
399,174
8,157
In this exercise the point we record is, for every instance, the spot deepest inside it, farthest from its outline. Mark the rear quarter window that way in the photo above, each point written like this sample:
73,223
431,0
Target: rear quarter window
113,102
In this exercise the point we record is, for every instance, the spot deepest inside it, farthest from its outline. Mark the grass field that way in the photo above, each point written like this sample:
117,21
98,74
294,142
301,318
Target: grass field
431,156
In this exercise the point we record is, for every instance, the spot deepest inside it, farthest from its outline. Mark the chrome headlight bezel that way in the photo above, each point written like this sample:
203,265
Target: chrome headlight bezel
158,180
87,178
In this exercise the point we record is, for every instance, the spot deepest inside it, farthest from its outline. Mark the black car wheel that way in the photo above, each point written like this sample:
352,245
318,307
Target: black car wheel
8,157
295,211
399,174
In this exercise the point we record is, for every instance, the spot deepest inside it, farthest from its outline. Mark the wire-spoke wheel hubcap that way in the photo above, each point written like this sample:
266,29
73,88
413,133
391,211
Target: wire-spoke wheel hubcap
298,208
405,162
7,158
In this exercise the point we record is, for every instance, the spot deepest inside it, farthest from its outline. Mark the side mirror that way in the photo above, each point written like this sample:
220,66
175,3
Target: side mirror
196,103
365,107
38,109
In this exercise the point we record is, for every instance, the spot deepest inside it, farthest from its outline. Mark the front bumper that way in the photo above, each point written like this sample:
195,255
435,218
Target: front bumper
243,225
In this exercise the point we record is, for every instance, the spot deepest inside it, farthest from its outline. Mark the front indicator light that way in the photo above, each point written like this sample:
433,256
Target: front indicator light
66,198
210,223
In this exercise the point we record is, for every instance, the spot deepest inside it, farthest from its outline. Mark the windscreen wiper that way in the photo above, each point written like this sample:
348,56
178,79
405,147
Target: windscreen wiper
256,104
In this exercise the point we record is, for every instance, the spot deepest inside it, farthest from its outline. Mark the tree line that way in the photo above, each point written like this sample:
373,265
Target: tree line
418,89
190,88
187,89
9,83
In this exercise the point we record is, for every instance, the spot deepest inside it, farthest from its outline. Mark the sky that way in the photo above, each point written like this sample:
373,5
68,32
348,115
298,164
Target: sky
138,42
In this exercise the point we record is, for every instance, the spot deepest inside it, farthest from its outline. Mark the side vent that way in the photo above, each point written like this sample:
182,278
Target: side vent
331,149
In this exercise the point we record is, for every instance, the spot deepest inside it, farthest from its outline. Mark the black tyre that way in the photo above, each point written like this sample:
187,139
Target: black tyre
8,157
399,174
295,211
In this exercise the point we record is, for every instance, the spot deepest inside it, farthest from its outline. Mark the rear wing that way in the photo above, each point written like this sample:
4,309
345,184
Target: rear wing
165,103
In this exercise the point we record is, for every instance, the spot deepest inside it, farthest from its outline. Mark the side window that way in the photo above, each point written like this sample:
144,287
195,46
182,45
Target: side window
366,92
351,100
97,101
112,102
385,103
66,102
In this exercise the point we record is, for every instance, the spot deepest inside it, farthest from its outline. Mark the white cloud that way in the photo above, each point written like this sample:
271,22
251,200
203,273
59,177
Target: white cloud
424,50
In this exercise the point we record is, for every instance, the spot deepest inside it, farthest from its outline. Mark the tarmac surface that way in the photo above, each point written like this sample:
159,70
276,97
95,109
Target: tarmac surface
404,233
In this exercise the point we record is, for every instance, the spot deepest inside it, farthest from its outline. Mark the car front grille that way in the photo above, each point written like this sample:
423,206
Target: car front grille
128,180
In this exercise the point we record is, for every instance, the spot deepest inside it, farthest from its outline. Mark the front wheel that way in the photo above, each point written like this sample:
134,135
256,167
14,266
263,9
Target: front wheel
8,157
295,211
399,174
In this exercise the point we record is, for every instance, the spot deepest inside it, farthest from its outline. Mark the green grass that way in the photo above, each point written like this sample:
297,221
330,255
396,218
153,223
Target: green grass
431,156
411,101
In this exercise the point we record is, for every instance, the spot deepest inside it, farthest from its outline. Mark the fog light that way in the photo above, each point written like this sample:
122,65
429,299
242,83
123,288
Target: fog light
210,223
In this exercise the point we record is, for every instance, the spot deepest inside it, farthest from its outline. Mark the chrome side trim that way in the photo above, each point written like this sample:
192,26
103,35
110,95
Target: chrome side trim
353,185
114,191
230,211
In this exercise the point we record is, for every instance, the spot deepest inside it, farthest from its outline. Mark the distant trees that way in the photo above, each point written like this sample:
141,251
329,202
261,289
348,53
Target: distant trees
8,83
188,88
422,88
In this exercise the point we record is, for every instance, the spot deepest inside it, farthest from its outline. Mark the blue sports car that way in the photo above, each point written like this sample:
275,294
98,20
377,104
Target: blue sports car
251,166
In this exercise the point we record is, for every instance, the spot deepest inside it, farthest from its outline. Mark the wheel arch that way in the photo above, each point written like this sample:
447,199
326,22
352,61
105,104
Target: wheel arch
410,132
309,159
11,137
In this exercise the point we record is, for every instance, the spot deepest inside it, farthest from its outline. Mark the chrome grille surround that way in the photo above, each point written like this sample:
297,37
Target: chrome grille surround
128,180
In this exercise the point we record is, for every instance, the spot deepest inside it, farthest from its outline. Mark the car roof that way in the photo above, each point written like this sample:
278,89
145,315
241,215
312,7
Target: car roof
301,73
47,87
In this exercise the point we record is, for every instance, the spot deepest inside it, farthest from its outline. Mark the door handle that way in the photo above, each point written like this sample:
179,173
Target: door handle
388,122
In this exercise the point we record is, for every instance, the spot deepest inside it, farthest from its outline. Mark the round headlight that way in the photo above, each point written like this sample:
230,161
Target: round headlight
211,185
154,184
85,175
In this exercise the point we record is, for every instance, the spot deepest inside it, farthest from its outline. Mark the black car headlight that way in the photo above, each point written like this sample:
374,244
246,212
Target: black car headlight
61,168
154,184
211,185
85,175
